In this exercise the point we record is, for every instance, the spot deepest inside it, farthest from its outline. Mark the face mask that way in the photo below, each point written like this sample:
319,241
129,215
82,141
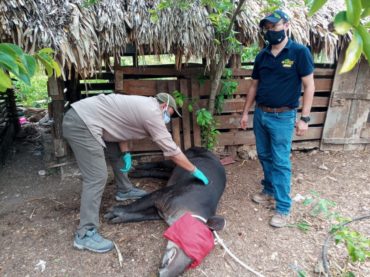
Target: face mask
275,37
166,116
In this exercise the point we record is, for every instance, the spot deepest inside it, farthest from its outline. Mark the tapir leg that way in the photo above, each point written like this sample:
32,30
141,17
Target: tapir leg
140,210
160,170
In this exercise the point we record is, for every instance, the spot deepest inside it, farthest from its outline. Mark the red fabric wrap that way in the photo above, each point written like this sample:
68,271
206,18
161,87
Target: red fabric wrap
192,236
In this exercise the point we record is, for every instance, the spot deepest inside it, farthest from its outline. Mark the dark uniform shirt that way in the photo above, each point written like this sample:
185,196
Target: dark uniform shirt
279,78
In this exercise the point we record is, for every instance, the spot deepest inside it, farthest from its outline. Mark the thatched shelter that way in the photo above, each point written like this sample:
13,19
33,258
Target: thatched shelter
85,36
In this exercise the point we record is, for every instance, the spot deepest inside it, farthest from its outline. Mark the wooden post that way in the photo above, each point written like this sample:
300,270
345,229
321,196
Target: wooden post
55,91
196,129
73,93
186,128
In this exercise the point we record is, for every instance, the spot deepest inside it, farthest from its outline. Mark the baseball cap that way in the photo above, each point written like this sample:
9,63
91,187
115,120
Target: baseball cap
165,97
274,17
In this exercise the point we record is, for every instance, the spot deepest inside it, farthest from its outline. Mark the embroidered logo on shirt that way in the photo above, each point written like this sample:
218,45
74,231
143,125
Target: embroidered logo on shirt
287,63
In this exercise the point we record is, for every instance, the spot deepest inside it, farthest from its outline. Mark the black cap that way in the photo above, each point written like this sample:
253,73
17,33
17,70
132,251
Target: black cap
275,17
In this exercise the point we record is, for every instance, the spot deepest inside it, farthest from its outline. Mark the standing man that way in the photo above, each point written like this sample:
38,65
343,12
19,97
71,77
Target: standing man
279,72
109,121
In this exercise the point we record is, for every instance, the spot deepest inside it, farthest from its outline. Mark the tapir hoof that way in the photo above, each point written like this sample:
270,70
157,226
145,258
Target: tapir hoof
115,215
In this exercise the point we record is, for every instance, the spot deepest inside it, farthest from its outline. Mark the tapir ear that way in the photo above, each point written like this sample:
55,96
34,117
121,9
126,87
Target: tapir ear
216,223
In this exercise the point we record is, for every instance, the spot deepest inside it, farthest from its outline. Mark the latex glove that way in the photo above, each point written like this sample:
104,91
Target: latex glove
126,158
199,175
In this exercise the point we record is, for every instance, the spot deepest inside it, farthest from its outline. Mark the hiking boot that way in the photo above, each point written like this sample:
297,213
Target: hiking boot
93,241
132,194
279,220
263,198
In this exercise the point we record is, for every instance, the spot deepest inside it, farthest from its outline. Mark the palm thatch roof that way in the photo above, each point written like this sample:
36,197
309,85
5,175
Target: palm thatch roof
84,36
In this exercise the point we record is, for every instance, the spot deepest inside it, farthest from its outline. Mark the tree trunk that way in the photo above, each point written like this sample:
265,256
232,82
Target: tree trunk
216,74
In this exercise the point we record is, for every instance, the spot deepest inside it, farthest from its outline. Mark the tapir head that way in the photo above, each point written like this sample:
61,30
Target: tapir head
174,261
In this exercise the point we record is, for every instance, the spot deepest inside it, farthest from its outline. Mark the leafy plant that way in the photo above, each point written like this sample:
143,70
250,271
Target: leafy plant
302,225
350,21
302,273
228,87
23,66
34,95
205,120
250,53
319,206
208,128
358,246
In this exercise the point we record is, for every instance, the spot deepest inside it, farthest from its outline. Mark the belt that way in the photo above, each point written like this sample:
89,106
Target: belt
274,110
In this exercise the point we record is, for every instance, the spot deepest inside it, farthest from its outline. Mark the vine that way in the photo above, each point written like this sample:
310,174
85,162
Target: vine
204,118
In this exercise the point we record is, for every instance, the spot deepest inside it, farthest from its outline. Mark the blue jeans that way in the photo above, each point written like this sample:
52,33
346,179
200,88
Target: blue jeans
274,134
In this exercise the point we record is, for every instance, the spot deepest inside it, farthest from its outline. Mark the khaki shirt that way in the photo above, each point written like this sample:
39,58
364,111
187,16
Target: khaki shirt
117,117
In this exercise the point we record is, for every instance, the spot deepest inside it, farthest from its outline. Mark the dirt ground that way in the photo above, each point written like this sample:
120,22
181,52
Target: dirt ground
39,214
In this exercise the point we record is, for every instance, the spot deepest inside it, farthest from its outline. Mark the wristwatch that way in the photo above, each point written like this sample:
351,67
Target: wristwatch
305,119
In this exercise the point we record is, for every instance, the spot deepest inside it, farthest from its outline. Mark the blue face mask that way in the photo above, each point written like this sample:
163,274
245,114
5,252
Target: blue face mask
166,116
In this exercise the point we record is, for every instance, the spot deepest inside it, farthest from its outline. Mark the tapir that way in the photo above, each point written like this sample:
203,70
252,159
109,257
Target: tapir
182,195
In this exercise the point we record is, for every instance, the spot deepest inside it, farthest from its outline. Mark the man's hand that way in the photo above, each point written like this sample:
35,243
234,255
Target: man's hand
126,158
199,175
244,121
301,127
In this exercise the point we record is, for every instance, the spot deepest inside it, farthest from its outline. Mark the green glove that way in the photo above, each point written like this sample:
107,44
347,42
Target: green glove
126,158
199,175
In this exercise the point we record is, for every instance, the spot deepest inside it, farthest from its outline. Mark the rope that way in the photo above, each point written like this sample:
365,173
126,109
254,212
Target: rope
324,252
221,242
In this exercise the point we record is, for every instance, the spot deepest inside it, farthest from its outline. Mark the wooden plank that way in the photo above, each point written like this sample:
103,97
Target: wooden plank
327,72
338,113
96,86
186,128
161,86
233,121
194,95
162,71
346,141
139,87
237,105
118,80
101,76
176,132
247,137
360,108
145,87
321,85
305,145
144,145
242,72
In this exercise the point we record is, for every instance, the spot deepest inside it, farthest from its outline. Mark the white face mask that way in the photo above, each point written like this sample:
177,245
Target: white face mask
166,116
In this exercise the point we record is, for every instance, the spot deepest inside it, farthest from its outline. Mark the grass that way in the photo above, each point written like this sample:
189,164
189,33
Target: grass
35,95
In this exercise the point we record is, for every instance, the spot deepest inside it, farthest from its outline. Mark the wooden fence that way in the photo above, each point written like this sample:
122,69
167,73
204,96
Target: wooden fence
151,80
9,123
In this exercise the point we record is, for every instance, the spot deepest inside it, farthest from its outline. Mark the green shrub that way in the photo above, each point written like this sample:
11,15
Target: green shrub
35,95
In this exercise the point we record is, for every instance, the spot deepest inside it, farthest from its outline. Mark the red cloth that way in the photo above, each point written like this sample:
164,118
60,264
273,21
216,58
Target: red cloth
192,236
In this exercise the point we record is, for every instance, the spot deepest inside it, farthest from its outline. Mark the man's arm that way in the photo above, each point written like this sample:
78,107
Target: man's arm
308,92
251,96
123,146
182,161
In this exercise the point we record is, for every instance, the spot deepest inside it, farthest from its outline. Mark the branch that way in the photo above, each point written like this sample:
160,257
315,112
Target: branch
238,8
